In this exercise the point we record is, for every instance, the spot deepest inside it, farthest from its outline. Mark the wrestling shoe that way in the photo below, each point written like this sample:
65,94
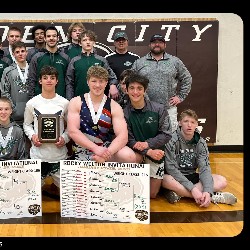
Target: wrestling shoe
224,198
171,196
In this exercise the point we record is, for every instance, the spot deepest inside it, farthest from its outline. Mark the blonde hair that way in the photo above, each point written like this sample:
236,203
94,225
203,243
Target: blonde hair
71,27
98,72
188,112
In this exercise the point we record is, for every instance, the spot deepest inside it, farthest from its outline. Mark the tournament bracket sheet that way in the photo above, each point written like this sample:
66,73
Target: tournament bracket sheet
20,189
105,191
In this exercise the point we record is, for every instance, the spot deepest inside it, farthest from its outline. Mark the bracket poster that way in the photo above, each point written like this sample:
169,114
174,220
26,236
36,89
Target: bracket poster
105,191
20,189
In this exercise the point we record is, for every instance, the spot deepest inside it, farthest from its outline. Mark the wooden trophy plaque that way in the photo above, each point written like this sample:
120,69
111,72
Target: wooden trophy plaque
48,127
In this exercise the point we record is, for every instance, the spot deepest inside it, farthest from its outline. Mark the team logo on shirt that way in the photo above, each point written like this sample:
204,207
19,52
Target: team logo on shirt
128,63
151,120
59,61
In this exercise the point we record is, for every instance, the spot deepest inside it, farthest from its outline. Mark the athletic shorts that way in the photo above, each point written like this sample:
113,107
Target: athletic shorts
194,178
48,169
156,169
84,154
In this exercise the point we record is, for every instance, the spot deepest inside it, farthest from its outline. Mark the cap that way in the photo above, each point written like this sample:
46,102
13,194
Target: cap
157,37
120,35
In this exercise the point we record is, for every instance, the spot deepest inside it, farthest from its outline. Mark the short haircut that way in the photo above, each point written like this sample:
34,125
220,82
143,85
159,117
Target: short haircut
18,44
98,72
48,70
6,99
52,28
71,27
14,28
188,112
89,33
125,73
37,27
136,77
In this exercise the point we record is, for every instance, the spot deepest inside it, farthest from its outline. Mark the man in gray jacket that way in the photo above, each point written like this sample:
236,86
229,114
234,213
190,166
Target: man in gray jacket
188,168
165,73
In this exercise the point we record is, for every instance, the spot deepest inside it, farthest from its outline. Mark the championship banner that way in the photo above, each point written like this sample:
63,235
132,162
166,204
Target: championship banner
105,191
20,189
194,41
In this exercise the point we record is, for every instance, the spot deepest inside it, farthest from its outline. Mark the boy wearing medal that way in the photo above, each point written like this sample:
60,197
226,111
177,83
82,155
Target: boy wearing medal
91,117
13,82
12,139
14,85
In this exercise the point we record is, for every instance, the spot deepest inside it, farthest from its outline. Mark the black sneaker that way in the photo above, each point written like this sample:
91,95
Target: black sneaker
171,196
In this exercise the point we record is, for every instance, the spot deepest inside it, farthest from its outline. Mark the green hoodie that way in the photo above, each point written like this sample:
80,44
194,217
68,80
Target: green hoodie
59,60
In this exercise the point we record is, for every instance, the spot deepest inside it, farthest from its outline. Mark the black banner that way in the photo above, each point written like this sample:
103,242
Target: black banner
194,42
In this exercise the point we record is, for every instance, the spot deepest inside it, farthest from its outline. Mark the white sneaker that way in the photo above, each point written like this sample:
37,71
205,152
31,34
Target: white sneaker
224,198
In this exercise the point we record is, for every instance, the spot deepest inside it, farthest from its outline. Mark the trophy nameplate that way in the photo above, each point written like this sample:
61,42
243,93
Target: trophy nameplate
48,127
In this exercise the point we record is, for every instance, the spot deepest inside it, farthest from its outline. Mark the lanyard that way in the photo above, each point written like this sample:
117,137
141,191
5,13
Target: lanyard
4,141
13,58
23,76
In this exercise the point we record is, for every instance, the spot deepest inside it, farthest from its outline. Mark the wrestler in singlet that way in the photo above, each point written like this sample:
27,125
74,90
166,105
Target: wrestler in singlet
98,132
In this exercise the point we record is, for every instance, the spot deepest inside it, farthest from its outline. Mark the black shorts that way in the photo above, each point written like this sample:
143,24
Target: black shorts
194,178
48,168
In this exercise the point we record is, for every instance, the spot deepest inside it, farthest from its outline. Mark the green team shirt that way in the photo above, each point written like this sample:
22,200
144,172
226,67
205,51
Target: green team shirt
59,60
149,124
76,76
144,124
72,50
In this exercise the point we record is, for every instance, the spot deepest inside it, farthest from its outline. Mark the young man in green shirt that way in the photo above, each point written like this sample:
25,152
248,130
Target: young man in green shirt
149,129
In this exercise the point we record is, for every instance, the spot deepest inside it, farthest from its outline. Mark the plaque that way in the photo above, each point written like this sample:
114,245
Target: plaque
48,127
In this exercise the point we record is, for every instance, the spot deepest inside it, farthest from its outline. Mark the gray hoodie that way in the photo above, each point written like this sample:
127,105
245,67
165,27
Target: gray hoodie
12,87
185,157
12,142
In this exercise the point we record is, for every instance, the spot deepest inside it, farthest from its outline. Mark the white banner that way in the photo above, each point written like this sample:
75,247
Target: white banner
20,189
105,191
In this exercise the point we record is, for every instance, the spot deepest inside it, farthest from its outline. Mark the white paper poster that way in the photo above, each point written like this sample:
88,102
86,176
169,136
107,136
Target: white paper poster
20,189
105,191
